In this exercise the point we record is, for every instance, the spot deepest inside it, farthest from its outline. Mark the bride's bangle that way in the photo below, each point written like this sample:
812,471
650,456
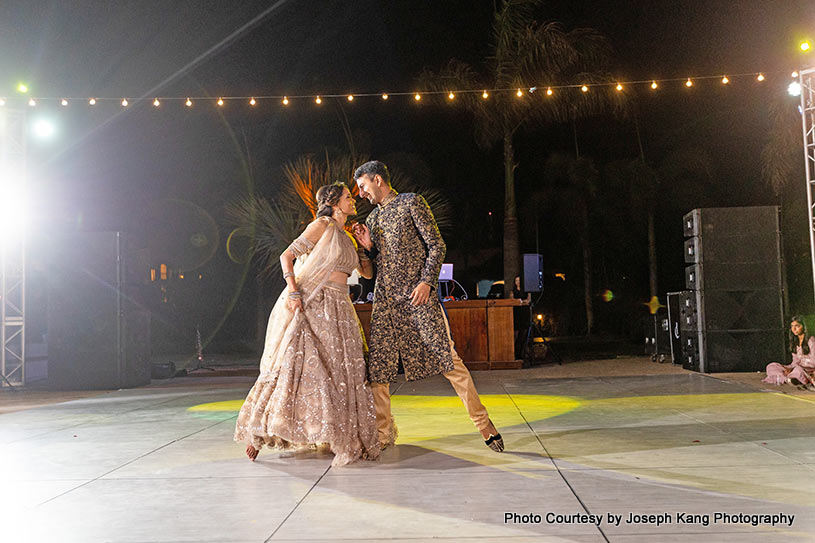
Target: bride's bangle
287,275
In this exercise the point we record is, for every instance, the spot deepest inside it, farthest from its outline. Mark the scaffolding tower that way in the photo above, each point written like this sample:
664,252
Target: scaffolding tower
12,248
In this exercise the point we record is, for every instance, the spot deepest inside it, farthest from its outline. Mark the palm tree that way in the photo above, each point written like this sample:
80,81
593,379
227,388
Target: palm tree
270,226
528,56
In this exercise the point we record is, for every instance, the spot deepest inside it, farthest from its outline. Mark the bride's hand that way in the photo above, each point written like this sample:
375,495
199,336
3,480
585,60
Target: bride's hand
294,304
362,235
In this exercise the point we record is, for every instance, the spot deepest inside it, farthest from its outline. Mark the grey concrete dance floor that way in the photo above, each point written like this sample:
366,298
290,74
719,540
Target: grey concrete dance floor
158,464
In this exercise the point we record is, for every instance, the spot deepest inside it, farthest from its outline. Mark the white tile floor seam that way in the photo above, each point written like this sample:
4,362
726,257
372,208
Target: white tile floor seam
168,470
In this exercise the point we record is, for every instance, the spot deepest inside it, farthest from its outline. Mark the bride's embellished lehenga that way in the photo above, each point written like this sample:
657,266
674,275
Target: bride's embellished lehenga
312,387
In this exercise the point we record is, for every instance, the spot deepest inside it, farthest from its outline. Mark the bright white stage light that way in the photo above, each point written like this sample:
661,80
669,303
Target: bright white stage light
44,129
794,89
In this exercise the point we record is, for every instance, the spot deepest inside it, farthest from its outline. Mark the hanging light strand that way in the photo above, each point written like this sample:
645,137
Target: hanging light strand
450,95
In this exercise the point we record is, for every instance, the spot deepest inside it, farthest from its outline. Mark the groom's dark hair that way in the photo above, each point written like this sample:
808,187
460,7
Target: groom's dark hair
372,168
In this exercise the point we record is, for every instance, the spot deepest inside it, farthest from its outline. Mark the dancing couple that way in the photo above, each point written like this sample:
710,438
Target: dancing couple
315,388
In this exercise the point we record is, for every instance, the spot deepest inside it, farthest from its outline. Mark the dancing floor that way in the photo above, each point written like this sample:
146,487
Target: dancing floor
672,456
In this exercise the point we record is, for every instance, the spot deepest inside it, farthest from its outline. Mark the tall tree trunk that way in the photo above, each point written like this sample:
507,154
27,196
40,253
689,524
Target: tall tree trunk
512,255
652,252
587,283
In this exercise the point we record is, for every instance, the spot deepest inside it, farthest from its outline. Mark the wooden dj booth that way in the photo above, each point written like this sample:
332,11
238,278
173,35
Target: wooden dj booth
482,330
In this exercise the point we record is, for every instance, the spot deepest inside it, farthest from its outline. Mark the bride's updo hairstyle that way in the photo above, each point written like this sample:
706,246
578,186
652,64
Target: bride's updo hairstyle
327,196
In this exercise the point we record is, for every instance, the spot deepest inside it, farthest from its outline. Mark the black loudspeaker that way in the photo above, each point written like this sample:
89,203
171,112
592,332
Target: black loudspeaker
533,272
98,333
732,318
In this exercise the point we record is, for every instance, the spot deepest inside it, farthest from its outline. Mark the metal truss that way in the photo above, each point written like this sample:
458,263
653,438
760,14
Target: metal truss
12,251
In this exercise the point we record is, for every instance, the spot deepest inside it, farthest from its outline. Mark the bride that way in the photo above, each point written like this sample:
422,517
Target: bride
312,387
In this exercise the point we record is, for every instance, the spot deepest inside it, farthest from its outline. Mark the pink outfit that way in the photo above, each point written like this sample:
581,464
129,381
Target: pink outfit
802,367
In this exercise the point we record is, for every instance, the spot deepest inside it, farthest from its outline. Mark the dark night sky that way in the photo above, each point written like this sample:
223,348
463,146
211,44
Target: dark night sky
108,166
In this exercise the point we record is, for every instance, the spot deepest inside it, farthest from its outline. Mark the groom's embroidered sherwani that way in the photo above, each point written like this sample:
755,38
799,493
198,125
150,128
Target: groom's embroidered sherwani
409,250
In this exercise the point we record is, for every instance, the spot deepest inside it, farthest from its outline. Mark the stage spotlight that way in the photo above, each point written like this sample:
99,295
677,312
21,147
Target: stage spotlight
794,89
43,129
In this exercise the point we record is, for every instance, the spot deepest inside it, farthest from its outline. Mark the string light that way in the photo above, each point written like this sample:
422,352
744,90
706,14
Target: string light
795,73
805,46
2,101
520,92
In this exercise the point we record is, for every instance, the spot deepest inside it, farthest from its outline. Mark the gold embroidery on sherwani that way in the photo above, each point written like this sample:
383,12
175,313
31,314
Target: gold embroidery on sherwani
409,250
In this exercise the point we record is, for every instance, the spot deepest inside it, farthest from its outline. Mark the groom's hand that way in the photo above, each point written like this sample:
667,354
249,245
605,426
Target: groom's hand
362,235
420,294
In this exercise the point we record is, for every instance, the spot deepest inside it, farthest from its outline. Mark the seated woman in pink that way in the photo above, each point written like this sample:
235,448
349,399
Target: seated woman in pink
802,370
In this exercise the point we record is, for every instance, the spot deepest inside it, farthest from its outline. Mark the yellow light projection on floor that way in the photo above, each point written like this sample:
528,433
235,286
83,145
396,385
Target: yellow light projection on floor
693,440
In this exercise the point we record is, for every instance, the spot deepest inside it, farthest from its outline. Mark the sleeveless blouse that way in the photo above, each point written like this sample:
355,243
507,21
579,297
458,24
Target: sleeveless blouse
347,261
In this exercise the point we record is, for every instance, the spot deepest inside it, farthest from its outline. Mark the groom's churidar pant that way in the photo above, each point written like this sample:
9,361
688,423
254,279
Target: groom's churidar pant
462,383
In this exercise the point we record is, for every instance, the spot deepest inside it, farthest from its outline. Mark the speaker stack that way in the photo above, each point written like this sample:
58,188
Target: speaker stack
98,331
732,315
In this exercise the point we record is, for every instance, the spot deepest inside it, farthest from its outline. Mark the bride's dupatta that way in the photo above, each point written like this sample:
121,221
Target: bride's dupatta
311,273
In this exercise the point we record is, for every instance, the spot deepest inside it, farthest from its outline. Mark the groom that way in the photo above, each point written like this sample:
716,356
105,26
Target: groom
407,321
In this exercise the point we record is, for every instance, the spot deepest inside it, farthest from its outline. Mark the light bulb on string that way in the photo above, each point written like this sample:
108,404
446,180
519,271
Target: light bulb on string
619,87
32,102
794,74
805,46
318,100
156,103
549,91
485,95
451,96
220,101
64,102
188,103
519,93
384,96
252,102
689,83
417,96
285,100
584,88
760,77
2,101
125,103
725,80
350,97
654,85
92,101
